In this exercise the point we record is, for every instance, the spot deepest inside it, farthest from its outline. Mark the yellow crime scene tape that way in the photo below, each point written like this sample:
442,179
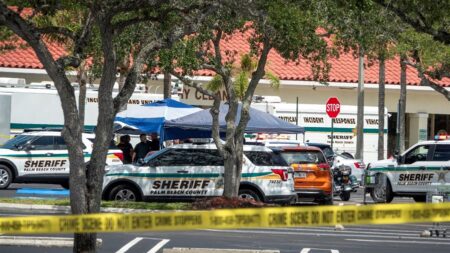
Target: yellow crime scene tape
229,219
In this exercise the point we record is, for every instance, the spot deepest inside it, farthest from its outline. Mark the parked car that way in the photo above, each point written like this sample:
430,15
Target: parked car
312,175
42,157
187,172
423,168
335,160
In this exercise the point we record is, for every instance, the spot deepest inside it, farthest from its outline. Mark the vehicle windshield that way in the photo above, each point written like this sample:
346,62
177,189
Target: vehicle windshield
303,157
152,155
19,141
328,152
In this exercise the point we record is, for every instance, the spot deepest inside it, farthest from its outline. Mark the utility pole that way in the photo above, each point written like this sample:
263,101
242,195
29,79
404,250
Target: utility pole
360,117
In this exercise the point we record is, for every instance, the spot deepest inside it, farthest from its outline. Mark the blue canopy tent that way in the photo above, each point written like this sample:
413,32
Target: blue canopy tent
149,118
199,124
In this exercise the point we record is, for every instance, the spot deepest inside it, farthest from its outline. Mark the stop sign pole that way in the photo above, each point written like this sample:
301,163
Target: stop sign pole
333,108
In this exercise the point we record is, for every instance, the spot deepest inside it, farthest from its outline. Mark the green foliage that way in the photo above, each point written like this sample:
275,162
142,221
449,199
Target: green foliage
425,16
430,55
240,84
215,84
273,79
247,63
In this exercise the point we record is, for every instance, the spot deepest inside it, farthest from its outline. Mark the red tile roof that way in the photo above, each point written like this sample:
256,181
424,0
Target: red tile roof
344,69
24,57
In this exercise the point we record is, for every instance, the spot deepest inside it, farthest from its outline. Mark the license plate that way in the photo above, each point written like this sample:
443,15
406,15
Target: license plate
300,174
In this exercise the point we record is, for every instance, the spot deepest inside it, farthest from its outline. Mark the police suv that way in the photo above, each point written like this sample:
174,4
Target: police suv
423,168
42,157
190,171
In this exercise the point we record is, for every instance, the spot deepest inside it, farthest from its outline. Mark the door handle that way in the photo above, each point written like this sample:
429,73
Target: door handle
48,154
182,171
422,168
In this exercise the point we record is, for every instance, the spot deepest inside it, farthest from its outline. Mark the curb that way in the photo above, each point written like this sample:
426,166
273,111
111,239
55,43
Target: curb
32,208
206,250
60,242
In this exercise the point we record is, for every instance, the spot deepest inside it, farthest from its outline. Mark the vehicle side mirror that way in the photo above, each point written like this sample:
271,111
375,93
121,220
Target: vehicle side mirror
397,156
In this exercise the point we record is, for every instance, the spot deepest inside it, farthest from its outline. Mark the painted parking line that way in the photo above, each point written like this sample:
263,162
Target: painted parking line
158,246
307,250
136,240
434,242
36,191
127,246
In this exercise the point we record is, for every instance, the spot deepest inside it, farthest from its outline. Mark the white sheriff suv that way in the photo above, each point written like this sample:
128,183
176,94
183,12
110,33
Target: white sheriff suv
423,168
42,157
187,172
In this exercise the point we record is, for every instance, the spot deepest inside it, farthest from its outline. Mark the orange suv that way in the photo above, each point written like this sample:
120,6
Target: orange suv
312,175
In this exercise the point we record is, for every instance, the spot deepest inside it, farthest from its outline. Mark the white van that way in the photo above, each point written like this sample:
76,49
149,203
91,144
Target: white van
317,124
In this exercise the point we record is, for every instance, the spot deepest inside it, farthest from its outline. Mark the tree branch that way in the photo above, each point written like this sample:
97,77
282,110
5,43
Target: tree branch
57,30
217,53
119,27
425,81
215,131
82,39
28,33
194,85
438,35
441,89
208,67
256,77
69,61
130,82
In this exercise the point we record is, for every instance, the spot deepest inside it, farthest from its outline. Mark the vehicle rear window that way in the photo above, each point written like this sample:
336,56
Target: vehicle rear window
262,158
303,157
442,153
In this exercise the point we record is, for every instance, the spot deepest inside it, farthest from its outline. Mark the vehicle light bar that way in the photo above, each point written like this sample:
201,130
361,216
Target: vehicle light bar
441,137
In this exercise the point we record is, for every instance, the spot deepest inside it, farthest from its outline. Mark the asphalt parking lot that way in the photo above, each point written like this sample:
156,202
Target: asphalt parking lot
376,239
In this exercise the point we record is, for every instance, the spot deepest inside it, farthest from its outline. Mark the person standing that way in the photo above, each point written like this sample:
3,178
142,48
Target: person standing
142,148
154,145
127,149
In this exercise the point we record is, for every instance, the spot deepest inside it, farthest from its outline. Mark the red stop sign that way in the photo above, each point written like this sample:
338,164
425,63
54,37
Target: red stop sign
333,107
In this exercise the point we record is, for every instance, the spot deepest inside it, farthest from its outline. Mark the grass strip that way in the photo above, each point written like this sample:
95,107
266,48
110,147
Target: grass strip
112,204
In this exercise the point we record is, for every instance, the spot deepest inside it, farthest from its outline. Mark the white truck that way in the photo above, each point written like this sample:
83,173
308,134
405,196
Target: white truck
317,124
37,105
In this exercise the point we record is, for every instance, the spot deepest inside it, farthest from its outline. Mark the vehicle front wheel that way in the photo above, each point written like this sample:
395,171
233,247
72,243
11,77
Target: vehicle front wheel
382,193
5,177
248,194
124,192
345,196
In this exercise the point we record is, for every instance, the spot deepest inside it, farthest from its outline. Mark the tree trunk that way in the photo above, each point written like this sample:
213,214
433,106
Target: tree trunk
86,242
381,105
360,117
402,107
167,85
121,83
